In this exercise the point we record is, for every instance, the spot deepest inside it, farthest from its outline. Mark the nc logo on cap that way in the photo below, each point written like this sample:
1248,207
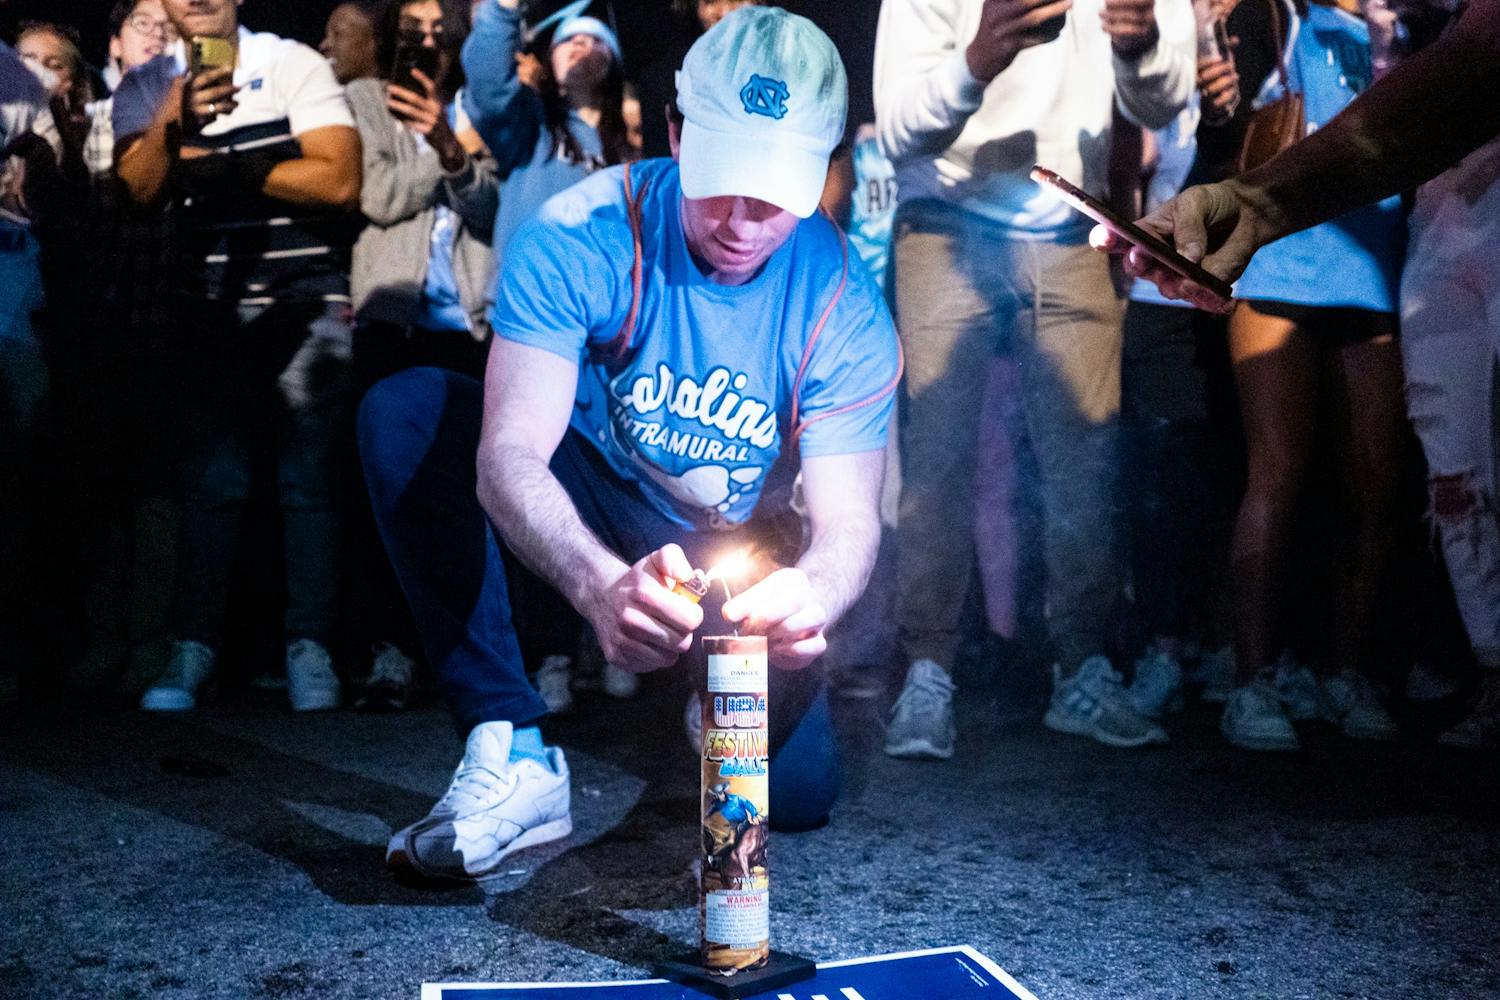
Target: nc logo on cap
762,96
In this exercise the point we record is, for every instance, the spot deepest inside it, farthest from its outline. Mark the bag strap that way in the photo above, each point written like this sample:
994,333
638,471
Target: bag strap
620,344
1278,38
797,424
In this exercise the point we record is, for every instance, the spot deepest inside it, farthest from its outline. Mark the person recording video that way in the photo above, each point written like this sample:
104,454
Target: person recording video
250,138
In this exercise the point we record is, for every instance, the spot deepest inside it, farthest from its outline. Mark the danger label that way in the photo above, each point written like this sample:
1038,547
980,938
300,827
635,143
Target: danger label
737,673
737,919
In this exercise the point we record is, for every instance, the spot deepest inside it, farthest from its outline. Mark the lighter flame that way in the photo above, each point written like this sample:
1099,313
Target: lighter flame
731,567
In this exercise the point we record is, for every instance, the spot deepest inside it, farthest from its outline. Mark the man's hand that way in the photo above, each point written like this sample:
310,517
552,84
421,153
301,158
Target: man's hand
1006,27
640,623
1130,25
1217,225
207,96
425,115
1219,85
788,612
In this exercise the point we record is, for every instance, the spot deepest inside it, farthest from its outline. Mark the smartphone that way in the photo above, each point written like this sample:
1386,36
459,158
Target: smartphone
1156,247
410,56
208,52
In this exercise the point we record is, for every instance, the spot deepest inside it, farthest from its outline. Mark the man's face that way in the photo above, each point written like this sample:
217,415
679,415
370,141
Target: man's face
734,236
731,235
580,63
349,44
215,18
145,35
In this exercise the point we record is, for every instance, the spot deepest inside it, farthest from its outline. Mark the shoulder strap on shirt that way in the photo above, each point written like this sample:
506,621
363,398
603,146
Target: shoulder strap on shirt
799,425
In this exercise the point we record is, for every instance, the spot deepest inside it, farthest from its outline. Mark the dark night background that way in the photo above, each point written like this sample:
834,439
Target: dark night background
652,35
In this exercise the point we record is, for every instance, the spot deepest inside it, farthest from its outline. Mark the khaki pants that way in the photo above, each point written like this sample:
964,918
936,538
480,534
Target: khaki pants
963,293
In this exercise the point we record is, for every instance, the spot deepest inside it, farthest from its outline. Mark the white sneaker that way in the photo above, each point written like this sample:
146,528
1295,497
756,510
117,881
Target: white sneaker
1093,703
620,683
493,807
554,683
1297,687
311,684
1216,674
1349,701
1156,688
1255,718
921,725
692,722
176,690
389,686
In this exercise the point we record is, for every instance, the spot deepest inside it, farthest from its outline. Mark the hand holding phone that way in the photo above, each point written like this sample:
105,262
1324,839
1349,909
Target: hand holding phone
210,86
1199,286
1007,27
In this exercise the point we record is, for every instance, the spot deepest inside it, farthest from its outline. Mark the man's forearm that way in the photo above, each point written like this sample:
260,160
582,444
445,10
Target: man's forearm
839,561
313,182
146,165
539,523
1413,124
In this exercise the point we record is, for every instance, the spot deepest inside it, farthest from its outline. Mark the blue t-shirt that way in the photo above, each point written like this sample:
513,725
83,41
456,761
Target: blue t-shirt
1355,260
697,412
873,209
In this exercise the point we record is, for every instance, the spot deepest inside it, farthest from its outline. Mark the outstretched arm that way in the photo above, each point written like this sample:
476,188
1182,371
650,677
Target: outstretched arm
1414,123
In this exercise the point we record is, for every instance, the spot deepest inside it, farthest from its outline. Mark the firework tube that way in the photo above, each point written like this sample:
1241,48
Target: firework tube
734,904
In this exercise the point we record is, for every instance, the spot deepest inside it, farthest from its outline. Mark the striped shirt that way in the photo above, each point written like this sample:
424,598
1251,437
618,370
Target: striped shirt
238,244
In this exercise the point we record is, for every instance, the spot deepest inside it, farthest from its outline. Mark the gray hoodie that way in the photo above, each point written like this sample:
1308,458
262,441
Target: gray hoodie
403,185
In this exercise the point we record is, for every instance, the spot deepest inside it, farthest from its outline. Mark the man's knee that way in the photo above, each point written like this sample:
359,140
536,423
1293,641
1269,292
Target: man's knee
397,420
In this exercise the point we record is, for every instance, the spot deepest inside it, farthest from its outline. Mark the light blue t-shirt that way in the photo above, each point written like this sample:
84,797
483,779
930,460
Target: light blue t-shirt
441,307
1355,260
697,412
873,208
1176,149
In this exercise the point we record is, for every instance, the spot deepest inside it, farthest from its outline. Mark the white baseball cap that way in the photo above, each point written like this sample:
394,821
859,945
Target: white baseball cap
763,98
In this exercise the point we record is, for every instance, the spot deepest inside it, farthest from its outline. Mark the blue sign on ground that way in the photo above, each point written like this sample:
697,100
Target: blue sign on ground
940,974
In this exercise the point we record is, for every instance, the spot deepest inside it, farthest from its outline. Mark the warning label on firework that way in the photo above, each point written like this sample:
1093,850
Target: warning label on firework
736,672
737,919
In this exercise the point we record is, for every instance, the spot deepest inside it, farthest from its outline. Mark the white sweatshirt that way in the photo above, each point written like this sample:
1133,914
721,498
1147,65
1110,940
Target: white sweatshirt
972,145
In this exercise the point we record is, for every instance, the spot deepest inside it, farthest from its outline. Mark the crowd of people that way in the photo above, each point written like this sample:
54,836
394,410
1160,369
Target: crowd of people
503,382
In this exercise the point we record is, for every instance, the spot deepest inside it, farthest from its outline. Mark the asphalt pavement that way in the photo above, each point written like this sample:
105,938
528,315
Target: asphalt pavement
237,852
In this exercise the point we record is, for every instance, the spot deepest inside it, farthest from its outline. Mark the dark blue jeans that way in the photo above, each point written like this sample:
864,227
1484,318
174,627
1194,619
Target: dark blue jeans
418,435
252,376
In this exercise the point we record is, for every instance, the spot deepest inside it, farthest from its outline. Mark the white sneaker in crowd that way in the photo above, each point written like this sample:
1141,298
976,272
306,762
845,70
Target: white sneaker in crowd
311,684
921,725
1094,703
554,682
620,683
389,686
493,807
1156,688
1480,729
176,690
1216,675
1255,718
1350,701
1298,688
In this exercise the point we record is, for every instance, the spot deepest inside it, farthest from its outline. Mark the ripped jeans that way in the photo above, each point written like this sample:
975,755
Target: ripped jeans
1450,328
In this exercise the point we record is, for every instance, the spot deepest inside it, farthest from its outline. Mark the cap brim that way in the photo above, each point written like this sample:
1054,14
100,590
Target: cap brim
784,173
